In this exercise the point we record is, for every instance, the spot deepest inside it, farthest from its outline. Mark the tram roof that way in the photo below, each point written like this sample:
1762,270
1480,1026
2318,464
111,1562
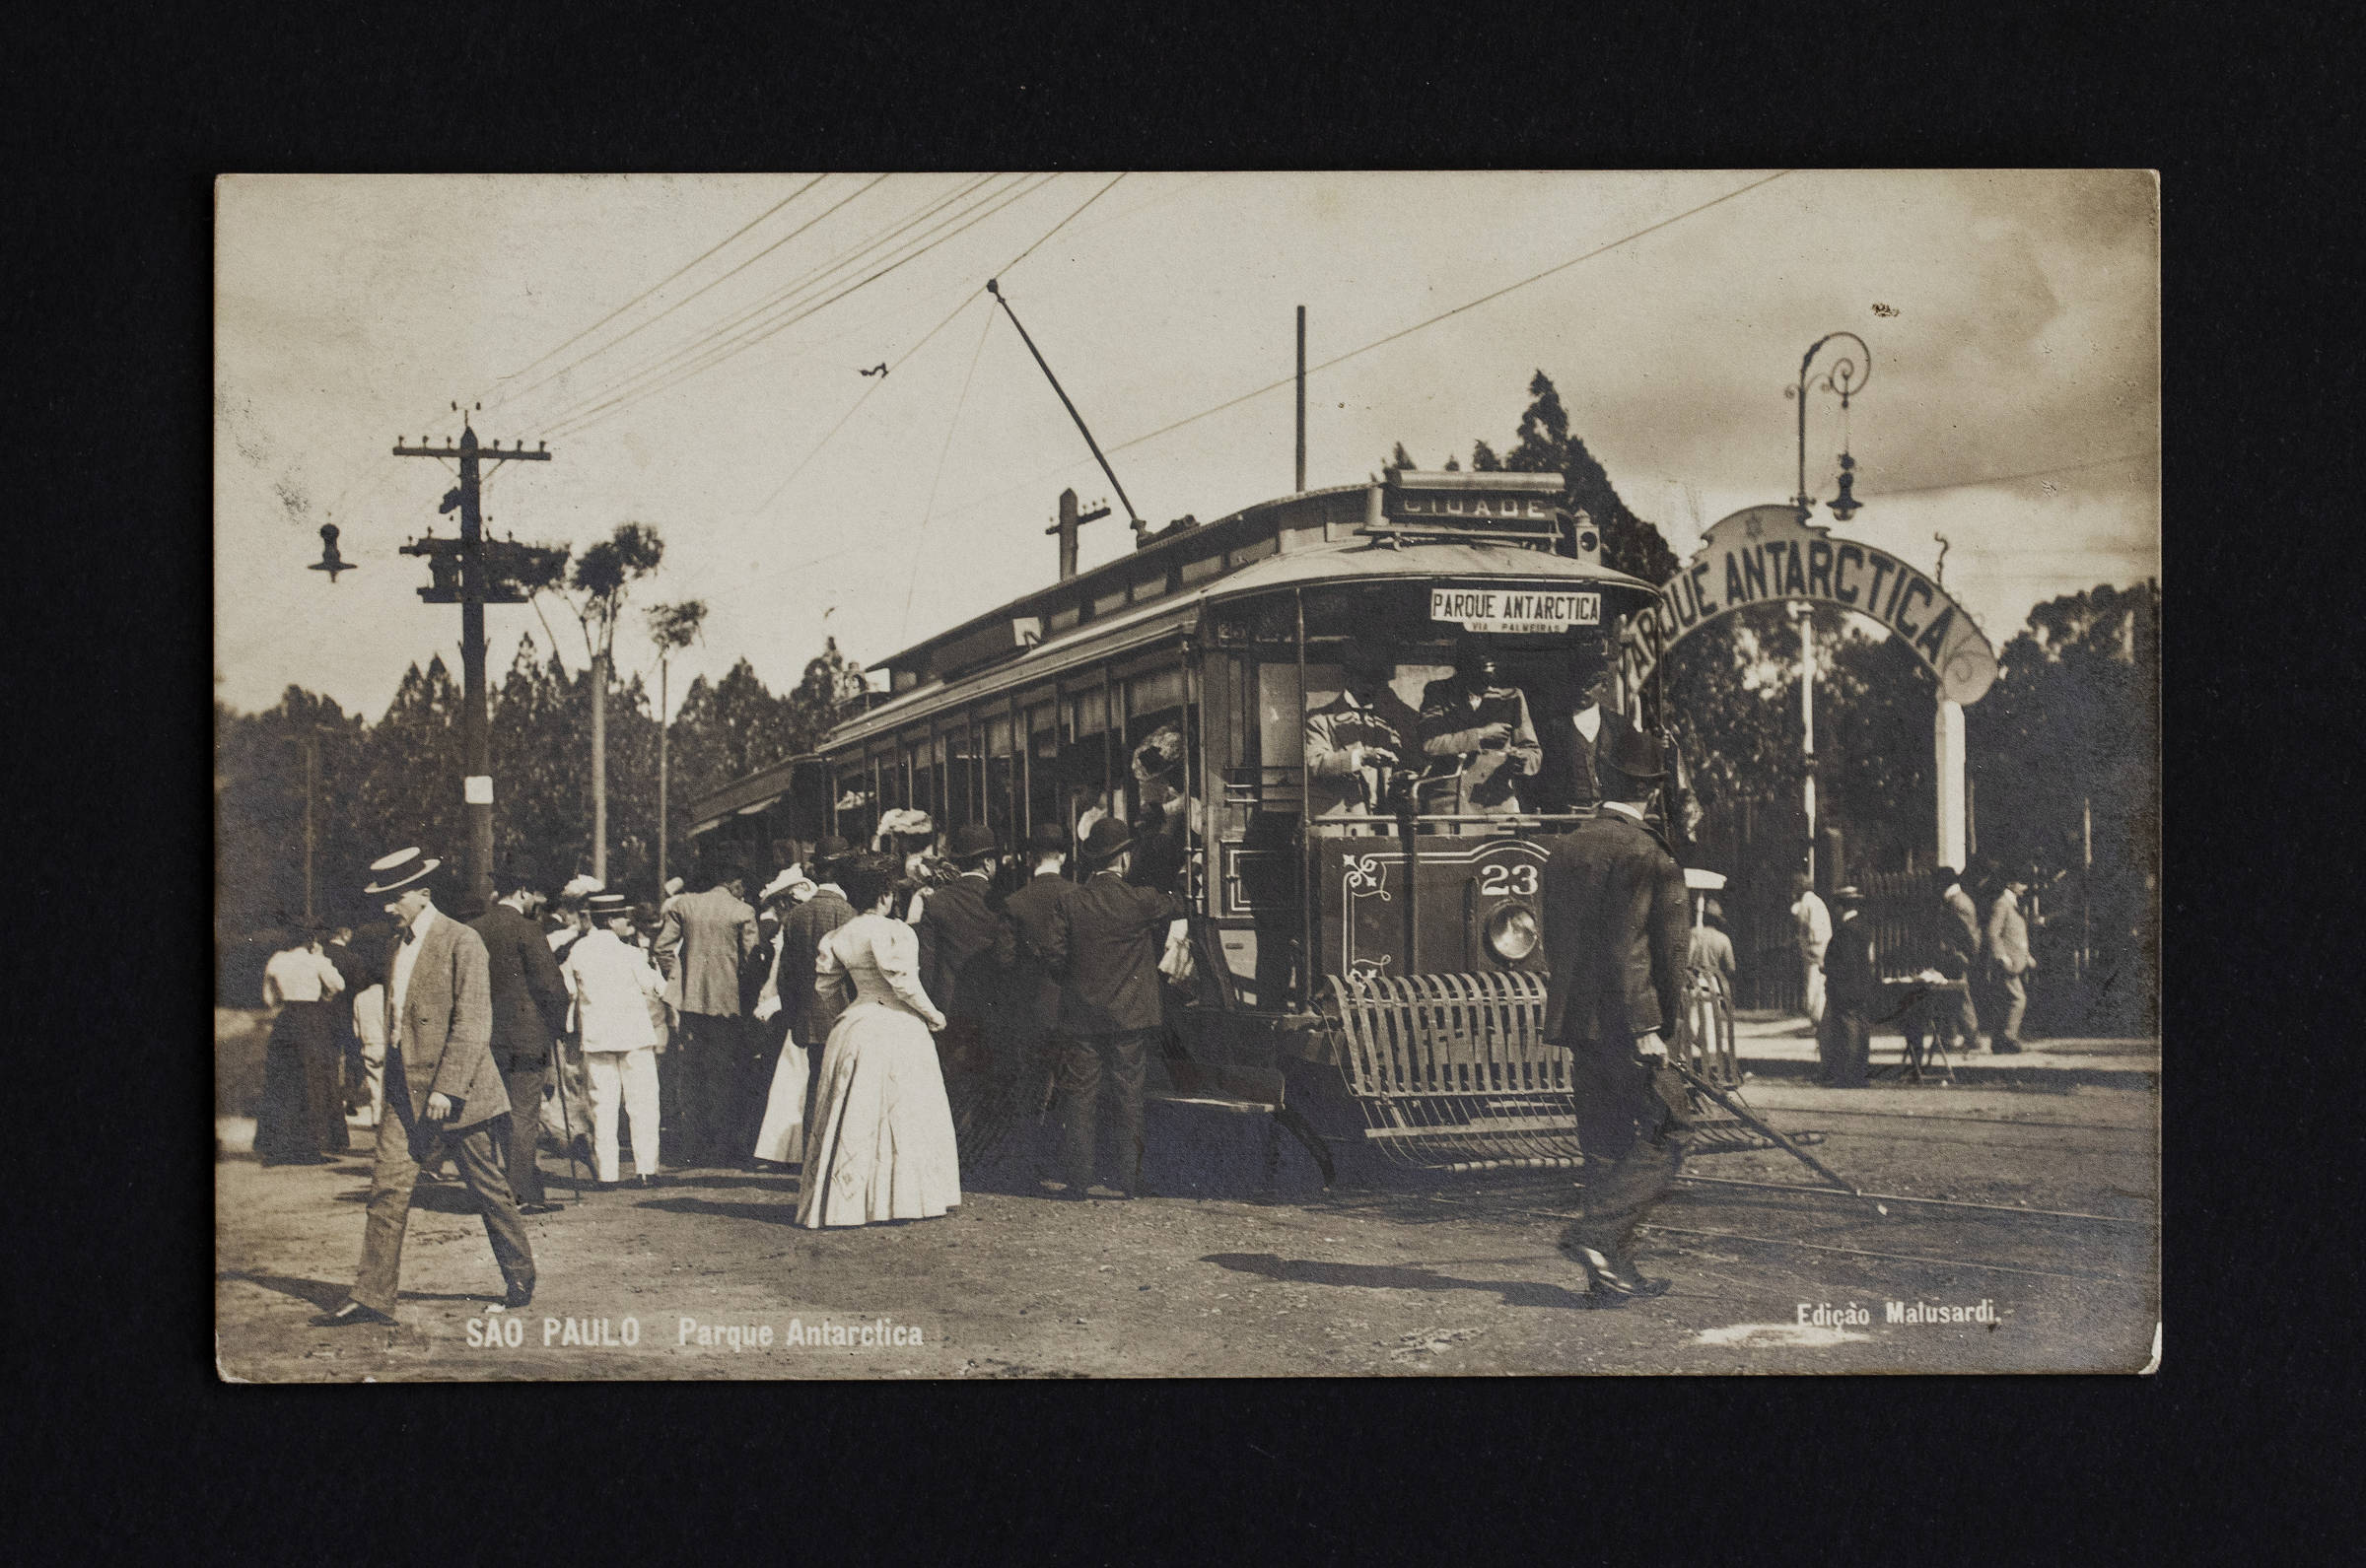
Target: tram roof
1317,535
1140,625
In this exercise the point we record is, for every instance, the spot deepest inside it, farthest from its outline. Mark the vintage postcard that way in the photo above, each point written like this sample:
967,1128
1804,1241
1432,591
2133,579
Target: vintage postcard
1140,775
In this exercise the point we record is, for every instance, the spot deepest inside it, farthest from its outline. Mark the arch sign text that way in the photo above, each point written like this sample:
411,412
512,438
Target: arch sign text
1765,553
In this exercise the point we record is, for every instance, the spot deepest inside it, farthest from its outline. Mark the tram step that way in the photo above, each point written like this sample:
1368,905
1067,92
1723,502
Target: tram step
1481,1124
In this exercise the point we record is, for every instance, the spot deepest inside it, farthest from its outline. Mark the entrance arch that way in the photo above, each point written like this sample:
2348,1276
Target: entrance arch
1765,554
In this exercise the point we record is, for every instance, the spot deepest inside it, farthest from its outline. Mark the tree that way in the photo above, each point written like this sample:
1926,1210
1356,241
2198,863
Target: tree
1542,445
672,627
600,578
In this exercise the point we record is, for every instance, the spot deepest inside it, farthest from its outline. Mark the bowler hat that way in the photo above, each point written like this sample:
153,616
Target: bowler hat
828,850
1048,837
1107,840
1632,752
970,840
402,870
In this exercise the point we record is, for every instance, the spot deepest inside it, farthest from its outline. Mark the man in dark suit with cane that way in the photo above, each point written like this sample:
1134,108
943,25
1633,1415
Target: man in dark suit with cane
1616,930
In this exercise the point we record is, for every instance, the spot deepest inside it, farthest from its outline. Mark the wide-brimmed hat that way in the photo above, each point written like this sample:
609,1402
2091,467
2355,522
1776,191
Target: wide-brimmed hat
970,842
580,887
403,868
1107,840
780,885
1048,837
906,821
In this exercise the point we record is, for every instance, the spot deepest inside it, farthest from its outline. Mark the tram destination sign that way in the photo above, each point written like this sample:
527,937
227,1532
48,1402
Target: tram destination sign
1517,610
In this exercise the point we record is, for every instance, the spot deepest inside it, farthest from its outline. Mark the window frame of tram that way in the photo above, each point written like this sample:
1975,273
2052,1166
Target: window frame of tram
1156,695
1041,716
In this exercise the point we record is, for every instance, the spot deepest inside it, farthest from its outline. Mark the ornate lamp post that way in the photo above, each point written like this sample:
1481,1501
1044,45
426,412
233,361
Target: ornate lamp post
1844,376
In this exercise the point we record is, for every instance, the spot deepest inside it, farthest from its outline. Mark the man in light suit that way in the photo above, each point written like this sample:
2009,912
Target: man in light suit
444,1089
2009,960
704,939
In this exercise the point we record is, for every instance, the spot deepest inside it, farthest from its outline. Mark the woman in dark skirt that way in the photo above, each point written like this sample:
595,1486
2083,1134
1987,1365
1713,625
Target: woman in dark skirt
302,1119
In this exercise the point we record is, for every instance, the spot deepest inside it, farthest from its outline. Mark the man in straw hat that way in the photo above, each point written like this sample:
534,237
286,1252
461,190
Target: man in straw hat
1616,933
443,1088
1104,943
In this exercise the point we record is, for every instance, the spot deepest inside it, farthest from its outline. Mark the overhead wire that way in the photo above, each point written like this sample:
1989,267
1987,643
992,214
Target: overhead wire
965,220
912,577
809,277
497,389
708,358
1379,342
641,326
946,320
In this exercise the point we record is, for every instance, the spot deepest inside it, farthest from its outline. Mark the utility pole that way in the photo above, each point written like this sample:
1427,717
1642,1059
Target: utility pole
311,755
1070,520
473,573
1301,400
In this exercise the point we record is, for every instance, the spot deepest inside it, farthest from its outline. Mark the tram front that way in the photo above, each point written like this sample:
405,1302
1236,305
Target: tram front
1395,726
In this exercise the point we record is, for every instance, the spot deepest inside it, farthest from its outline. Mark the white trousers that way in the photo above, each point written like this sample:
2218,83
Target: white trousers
626,1078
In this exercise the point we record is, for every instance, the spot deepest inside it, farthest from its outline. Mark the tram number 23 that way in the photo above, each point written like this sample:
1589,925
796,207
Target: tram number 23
1509,881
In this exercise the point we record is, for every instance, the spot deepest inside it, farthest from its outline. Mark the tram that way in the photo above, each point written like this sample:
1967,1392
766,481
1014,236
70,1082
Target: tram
1371,977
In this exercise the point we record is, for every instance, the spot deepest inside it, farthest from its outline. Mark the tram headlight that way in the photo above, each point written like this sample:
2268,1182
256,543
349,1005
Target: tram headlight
1512,932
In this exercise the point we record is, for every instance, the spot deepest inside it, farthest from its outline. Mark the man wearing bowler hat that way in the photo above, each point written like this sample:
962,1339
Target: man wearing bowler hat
1567,780
1617,931
442,1087
1104,943
966,948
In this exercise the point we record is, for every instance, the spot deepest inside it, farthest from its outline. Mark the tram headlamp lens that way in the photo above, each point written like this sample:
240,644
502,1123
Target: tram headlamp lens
1512,932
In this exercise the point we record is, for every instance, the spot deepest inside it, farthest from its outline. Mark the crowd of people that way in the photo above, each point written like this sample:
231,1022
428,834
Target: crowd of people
813,1029
1972,967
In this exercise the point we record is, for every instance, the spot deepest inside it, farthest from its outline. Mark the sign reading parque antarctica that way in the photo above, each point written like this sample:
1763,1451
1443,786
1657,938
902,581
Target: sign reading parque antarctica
1765,554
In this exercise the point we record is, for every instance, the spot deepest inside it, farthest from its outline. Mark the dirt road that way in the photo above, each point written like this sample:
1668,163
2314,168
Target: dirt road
1417,1275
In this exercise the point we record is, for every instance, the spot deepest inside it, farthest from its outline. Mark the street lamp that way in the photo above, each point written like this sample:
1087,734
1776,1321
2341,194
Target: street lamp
1844,377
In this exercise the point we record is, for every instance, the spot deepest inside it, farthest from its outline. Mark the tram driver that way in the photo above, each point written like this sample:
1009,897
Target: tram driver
1362,745
1475,728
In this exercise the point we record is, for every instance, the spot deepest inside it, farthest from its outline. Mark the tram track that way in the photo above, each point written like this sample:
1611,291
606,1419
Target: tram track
2089,1276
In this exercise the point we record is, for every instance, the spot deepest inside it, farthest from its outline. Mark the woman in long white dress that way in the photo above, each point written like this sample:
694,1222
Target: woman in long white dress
881,1143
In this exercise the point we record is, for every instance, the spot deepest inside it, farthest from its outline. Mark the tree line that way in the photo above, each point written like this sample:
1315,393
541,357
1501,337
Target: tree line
378,786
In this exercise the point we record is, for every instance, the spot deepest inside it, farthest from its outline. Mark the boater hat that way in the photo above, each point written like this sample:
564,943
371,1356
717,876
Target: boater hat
1107,841
392,872
606,906
780,885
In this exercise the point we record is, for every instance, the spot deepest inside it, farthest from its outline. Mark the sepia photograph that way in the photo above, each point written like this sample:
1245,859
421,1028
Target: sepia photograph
1123,773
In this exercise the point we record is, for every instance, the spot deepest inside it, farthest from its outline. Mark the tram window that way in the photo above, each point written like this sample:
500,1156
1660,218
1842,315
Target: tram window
1281,714
1088,713
1000,779
1043,766
1109,602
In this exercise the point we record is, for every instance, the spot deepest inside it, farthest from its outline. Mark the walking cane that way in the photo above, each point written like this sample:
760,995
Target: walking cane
575,1169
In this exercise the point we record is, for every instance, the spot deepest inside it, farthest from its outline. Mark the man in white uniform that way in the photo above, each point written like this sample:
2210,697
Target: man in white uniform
1814,922
613,984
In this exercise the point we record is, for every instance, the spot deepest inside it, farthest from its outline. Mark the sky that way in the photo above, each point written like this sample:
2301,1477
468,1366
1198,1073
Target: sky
690,348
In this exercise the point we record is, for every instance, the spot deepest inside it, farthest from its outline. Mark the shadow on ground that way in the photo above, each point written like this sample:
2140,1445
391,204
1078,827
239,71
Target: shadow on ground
1390,1276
